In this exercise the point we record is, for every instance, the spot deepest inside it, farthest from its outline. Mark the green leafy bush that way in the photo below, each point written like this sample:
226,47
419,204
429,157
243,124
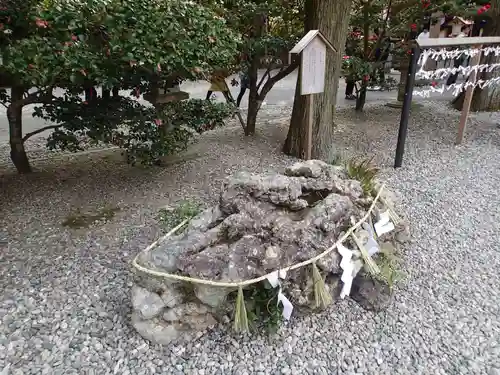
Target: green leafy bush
363,171
144,134
170,218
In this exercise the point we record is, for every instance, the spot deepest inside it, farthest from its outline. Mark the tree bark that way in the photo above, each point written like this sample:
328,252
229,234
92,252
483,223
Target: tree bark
253,109
403,76
332,19
361,100
253,96
14,116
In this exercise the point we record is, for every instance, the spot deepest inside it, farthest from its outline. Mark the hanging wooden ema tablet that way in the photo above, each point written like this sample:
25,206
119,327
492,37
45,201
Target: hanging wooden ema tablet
312,50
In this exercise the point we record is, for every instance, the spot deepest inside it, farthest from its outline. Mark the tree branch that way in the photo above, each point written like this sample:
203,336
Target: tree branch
267,73
34,98
396,8
280,75
41,130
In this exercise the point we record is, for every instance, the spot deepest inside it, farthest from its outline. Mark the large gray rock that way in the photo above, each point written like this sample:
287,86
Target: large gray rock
262,223
147,304
155,330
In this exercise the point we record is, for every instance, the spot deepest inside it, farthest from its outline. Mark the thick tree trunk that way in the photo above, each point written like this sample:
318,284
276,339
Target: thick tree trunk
361,100
14,116
402,83
253,96
332,19
253,109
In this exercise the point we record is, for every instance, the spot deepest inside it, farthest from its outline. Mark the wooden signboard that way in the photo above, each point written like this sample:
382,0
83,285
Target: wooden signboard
312,49
312,72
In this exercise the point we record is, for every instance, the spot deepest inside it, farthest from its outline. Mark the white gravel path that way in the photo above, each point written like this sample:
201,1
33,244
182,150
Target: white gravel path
64,294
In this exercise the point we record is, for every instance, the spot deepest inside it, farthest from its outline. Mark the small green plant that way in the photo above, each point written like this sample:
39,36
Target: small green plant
80,219
388,263
262,306
363,171
170,218
257,307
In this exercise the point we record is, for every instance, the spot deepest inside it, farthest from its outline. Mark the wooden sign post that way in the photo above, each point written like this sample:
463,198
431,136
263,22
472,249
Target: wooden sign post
312,50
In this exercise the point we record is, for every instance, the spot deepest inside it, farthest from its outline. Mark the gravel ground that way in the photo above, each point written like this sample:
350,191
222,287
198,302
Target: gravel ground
65,304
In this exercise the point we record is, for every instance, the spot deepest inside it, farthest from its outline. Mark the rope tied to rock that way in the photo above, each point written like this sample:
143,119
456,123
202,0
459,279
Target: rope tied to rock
242,283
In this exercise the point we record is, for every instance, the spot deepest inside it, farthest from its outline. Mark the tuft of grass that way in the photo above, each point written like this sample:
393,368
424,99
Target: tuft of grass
363,171
80,219
389,265
336,159
240,313
322,298
170,218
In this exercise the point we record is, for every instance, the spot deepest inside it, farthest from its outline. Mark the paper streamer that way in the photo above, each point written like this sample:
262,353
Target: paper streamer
350,267
384,225
442,73
273,279
457,88
446,54
372,245
287,306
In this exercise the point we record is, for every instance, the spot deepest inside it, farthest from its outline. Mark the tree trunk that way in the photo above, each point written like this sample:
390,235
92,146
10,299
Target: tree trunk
361,100
253,109
253,70
332,19
402,83
14,116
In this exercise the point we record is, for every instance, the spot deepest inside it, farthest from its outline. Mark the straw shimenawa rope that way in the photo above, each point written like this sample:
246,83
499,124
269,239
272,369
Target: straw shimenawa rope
251,281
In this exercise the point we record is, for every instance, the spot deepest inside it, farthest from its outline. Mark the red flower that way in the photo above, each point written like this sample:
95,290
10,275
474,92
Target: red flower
74,38
408,52
487,6
345,57
41,23
158,122
480,10
434,84
413,26
426,3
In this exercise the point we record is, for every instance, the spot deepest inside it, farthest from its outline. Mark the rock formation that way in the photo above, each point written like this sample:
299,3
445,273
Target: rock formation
262,223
